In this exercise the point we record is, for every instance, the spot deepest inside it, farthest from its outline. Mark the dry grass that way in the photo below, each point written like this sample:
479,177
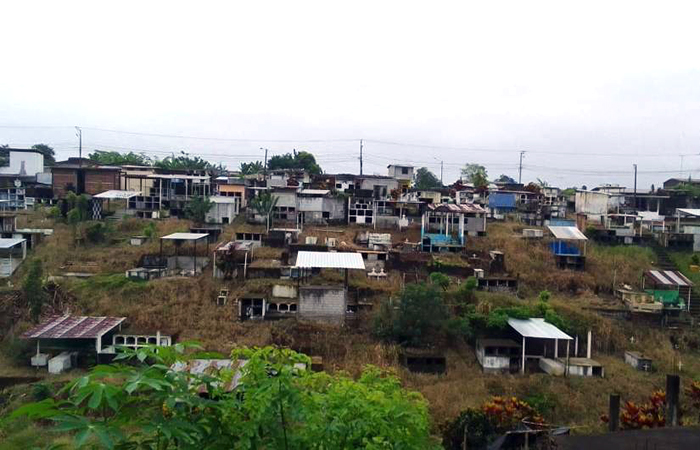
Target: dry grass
534,263
185,307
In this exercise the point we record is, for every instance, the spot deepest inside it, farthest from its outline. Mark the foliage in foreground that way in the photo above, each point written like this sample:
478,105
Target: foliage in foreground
476,427
275,405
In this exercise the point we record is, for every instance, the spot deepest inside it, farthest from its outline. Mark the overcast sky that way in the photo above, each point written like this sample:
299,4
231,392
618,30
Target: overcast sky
586,91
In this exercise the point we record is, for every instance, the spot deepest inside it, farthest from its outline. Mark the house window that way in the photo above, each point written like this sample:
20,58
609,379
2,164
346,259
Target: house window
338,185
404,170
326,215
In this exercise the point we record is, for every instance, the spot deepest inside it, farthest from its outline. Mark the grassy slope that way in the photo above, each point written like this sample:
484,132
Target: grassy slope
184,306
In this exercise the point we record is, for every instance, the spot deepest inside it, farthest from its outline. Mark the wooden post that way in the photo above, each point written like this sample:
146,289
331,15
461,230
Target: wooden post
614,413
673,387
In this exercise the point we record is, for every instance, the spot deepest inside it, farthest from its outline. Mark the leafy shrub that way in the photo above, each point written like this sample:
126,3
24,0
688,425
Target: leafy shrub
96,233
41,391
139,405
421,316
33,289
54,212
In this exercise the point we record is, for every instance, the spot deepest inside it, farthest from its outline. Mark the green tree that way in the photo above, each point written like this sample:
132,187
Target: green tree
425,179
264,203
251,168
295,160
503,178
197,208
476,175
111,158
48,152
421,316
274,404
440,279
33,289
185,162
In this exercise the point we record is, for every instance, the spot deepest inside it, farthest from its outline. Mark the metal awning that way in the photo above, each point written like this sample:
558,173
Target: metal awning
315,192
10,242
567,233
327,260
73,327
116,195
463,208
668,278
537,328
185,236
689,212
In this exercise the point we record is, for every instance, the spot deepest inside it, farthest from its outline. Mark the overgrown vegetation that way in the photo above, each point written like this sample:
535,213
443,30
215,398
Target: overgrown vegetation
274,404
33,289
197,208
477,427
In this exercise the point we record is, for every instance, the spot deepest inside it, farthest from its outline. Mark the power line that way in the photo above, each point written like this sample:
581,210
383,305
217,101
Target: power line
492,150
206,138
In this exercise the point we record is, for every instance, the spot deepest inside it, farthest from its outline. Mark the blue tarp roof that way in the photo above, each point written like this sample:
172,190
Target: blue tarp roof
501,200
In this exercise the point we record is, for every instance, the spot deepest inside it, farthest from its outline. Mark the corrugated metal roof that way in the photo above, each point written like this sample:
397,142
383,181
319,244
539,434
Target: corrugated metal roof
669,278
213,368
464,208
73,327
567,233
224,199
689,211
185,236
314,192
537,328
116,194
10,242
327,260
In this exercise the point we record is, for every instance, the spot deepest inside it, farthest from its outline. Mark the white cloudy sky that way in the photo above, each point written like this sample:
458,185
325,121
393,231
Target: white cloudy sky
585,90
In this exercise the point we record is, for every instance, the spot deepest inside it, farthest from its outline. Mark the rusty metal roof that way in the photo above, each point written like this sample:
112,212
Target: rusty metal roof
213,368
73,327
668,278
463,208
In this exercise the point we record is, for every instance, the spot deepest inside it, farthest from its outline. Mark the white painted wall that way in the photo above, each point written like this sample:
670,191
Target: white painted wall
29,163
589,202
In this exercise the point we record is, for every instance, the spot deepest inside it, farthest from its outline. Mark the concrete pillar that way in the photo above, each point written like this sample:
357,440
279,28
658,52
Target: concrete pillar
673,387
522,369
556,348
614,413
590,342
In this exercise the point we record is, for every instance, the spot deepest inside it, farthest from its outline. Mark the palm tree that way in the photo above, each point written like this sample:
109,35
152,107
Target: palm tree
264,203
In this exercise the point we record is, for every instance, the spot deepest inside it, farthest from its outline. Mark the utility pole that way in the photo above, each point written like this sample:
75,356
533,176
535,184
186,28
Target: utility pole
80,146
265,166
520,168
441,164
635,186
360,156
